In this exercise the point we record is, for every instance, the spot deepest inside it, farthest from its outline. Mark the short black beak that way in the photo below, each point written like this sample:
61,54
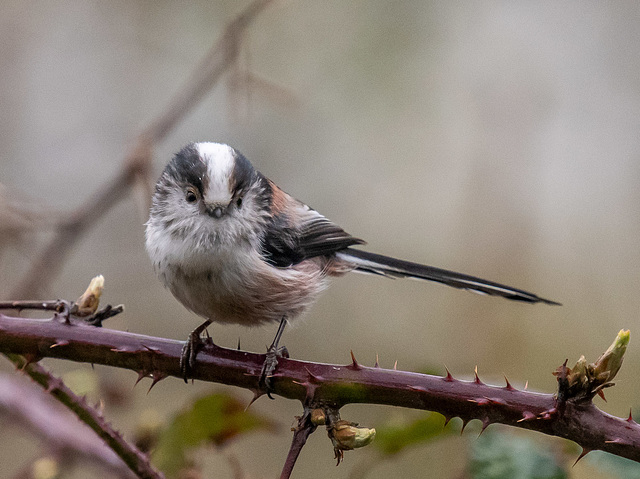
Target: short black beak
217,212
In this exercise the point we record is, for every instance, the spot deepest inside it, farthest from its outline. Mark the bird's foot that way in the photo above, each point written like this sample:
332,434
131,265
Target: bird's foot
190,350
269,367
271,360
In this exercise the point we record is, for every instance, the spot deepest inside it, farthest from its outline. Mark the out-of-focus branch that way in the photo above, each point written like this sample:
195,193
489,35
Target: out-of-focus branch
223,54
331,386
137,165
31,408
137,461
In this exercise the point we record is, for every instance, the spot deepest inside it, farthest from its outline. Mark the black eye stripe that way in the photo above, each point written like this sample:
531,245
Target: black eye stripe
188,169
242,175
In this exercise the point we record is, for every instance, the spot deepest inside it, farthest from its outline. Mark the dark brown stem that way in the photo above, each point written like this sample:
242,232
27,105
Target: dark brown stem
329,386
300,434
136,460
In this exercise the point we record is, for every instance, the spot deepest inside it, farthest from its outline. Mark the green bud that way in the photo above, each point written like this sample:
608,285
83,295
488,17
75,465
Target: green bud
608,365
346,435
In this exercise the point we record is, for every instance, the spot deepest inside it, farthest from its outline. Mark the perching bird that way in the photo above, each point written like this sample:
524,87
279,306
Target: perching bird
234,248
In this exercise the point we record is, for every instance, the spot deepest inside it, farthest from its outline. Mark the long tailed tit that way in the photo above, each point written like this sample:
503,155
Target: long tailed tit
234,248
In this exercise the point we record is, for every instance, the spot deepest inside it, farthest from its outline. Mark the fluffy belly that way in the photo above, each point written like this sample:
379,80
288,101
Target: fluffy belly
250,296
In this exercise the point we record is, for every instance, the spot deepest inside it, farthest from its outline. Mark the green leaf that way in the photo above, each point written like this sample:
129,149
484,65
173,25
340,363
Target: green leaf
215,419
500,455
615,465
393,438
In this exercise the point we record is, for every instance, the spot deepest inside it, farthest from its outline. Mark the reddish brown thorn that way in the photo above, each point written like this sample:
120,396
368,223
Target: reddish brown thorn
157,377
29,359
477,379
508,387
141,376
53,385
485,424
314,378
527,416
616,441
630,418
449,378
584,452
354,364
548,414
421,389
256,395
601,394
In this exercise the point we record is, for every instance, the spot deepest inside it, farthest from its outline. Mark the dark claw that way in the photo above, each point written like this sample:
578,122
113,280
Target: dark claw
269,367
190,350
271,360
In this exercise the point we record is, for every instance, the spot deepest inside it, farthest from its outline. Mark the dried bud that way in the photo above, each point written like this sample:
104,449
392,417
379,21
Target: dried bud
318,418
87,304
608,365
346,435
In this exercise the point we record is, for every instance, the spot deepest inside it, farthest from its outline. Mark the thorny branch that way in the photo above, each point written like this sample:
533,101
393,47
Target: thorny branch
333,386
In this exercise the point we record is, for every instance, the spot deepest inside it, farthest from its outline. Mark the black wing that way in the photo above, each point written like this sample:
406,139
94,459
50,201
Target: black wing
289,241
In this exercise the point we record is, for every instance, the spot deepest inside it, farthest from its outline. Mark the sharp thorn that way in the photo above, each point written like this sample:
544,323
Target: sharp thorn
601,394
485,424
508,387
354,363
477,379
256,396
377,364
615,441
526,385
238,343
141,376
582,454
449,378
527,416
630,418
157,377
395,365
313,378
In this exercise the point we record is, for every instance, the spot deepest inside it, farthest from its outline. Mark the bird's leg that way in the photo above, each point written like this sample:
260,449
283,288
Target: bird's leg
191,349
271,360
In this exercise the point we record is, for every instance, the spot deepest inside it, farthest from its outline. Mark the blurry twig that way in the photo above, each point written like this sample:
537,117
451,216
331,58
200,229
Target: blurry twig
137,461
137,164
69,440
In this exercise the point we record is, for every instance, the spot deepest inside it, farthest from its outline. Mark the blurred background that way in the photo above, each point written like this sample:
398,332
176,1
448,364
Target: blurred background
494,138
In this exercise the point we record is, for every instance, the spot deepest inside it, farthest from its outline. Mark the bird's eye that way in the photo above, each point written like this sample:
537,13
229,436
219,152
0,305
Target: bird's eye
239,202
191,196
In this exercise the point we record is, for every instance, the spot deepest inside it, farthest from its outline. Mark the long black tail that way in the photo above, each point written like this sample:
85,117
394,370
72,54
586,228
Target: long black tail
383,265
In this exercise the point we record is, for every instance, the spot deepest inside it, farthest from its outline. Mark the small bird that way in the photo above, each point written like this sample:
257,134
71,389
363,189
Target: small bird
234,248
